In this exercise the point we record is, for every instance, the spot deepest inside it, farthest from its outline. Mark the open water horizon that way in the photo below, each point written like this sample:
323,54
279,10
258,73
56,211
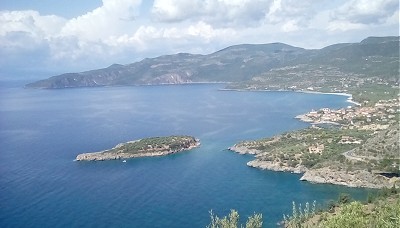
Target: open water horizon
42,131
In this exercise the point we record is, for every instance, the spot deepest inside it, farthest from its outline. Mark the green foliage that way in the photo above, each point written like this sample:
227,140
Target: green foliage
156,143
294,150
344,198
254,221
383,213
386,192
331,205
373,92
299,215
232,221
355,215
352,215
387,216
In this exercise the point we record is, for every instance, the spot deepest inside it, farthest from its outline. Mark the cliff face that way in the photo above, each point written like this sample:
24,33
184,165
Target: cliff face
359,178
275,166
149,147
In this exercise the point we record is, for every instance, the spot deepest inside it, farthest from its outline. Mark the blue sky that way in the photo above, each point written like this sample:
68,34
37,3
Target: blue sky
63,8
75,35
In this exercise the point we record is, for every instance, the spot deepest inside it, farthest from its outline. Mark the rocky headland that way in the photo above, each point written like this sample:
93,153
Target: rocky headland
318,155
148,147
265,165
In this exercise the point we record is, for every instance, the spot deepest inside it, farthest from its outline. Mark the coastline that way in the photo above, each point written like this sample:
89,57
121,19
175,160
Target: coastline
265,165
353,179
326,175
349,99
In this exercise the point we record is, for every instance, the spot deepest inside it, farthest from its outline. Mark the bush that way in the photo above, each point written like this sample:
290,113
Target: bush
331,205
299,215
353,215
232,221
344,198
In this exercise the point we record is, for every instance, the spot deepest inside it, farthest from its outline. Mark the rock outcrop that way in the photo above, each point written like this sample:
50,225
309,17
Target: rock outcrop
243,150
268,165
275,166
359,178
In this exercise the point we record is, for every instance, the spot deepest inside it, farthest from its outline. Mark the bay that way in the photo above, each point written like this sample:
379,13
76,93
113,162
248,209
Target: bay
42,131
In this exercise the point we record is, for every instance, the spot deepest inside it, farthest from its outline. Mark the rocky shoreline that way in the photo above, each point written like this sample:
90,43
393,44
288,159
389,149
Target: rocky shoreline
326,175
173,144
356,179
265,165
274,166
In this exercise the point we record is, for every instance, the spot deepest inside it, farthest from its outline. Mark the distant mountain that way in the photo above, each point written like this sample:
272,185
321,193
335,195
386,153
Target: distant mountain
374,56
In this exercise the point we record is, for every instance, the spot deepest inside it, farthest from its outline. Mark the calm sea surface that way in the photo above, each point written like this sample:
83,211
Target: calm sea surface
42,131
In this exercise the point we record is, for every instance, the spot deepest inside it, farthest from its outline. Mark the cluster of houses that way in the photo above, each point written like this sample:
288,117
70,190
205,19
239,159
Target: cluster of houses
377,117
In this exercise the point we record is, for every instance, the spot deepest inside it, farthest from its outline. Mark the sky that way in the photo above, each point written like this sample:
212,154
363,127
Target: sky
77,35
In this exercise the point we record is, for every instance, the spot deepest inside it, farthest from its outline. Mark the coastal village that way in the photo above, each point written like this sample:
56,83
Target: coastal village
377,117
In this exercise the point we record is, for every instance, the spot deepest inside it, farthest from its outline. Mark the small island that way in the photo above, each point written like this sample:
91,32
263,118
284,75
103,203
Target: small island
148,147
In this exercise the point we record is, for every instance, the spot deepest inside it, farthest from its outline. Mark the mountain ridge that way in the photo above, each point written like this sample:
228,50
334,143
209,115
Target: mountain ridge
237,63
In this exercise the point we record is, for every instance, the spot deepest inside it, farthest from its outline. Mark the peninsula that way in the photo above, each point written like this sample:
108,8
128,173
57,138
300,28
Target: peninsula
353,151
148,147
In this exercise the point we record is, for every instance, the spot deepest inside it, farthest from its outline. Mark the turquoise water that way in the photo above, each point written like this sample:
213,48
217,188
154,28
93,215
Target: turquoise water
42,131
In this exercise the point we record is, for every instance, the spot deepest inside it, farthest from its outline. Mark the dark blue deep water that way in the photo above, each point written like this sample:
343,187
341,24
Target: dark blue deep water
42,131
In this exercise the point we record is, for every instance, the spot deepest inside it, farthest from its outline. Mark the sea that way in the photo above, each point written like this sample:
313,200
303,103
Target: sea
42,131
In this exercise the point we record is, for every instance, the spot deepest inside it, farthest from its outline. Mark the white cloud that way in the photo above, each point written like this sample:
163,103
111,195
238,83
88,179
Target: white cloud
290,26
25,37
124,31
218,12
344,26
30,22
284,10
114,17
366,11
363,15
172,38
175,10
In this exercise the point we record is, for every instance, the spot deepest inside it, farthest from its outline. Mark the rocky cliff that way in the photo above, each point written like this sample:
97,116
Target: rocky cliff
358,178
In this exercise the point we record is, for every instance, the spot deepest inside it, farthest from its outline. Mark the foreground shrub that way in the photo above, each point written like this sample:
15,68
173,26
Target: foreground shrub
355,215
232,221
299,215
